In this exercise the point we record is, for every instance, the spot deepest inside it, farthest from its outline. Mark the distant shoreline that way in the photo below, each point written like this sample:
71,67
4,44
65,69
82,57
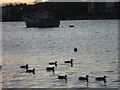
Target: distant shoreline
65,11
92,17
66,20
84,17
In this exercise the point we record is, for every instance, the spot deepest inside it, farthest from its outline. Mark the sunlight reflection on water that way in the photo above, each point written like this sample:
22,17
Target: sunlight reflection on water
97,43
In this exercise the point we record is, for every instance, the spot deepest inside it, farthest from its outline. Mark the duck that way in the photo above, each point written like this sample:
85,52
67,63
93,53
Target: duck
0,66
71,25
53,63
31,71
101,78
26,66
71,61
62,77
50,68
84,78
75,49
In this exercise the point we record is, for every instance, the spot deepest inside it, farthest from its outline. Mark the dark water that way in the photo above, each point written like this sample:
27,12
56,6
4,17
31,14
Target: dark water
97,43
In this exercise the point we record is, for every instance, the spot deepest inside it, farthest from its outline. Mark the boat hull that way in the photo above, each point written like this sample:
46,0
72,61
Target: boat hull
42,23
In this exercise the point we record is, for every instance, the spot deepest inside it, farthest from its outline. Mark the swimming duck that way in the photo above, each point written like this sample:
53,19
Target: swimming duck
26,66
62,77
84,78
50,68
69,61
71,25
31,71
101,78
53,63
0,67
75,49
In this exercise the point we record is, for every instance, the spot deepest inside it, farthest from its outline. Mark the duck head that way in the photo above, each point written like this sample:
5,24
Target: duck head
26,65
65,75
56,62
33,69
105,76
87,76
71,59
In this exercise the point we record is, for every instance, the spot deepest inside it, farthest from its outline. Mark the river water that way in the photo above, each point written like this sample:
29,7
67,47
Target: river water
97,55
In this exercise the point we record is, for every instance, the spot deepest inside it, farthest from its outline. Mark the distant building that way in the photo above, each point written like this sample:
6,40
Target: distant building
101,7
91,7
109,7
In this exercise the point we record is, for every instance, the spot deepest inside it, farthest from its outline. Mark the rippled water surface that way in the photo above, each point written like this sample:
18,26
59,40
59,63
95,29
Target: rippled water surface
97,43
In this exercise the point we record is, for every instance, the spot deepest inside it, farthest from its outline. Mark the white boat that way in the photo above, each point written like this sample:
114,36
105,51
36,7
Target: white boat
42,20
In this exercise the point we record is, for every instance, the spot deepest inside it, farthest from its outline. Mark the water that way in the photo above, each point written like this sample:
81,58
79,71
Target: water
97,43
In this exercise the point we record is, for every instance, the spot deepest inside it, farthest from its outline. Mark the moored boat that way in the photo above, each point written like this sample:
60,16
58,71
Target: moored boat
41,20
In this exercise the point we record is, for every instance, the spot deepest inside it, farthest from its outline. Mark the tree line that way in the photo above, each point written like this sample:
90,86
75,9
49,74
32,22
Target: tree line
63,10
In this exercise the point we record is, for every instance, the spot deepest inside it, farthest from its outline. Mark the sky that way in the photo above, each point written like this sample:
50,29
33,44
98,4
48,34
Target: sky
1,1
22,1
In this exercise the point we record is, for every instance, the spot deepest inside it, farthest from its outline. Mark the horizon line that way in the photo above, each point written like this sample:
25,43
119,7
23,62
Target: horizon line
29,2
14,2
